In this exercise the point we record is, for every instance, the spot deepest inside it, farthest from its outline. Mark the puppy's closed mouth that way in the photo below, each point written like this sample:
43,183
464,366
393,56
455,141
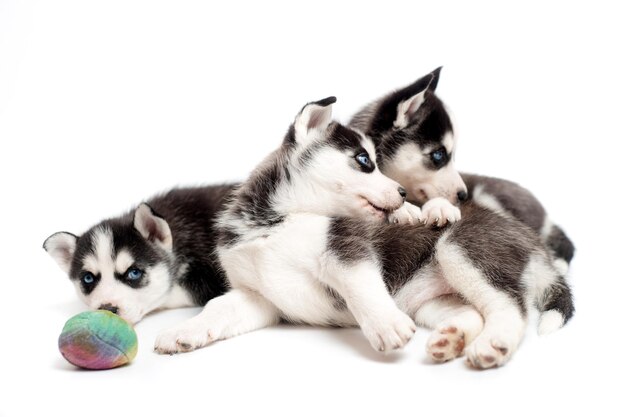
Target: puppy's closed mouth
378,211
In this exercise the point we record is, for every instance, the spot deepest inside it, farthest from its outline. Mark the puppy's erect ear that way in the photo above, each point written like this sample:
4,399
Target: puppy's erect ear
415,97
313,119
152,226
435,79
61,247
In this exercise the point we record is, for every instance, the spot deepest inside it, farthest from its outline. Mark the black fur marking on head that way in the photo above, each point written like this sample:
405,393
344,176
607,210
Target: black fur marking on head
190,214
427,126
365,162
445,158
84,246
145,254
344,138
86,287
388,108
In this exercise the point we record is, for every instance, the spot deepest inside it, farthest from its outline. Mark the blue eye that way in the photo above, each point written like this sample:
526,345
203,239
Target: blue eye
88,278
438,157
134,274
363,159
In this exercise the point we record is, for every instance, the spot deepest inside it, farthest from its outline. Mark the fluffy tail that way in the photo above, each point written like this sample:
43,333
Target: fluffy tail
556,306
562,248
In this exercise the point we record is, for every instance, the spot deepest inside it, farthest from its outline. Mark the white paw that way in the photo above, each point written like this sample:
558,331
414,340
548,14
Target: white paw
389,331
439,211
406,214
445,343
488,352
188,336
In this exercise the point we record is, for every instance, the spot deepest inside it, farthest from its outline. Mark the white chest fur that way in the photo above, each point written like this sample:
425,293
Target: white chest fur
284,266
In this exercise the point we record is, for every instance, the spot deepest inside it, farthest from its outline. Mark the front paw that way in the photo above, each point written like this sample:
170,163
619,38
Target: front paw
406,214
439,212
185,337
387,332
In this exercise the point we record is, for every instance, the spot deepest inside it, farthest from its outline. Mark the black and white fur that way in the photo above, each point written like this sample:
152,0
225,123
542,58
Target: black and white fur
160,255
407,127
302,240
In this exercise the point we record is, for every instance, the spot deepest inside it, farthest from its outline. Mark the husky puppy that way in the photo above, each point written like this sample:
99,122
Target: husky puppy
160,255
302,240
415,144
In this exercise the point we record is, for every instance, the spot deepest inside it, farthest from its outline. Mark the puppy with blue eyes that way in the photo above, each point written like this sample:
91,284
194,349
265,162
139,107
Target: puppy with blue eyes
415,145
297,243
160,255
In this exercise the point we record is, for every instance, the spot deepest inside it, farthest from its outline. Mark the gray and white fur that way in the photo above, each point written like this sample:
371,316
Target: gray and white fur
303,239
415,142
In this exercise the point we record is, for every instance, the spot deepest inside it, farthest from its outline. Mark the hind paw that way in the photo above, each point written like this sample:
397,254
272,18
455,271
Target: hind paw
445,344
486,353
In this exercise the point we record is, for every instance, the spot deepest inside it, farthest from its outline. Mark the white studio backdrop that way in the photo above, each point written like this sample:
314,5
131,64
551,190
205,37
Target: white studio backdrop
104,103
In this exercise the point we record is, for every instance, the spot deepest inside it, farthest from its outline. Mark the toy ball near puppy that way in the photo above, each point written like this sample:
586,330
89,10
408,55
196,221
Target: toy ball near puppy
98,340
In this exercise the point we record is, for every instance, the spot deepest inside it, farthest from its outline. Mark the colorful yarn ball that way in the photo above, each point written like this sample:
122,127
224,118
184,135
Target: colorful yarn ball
98,340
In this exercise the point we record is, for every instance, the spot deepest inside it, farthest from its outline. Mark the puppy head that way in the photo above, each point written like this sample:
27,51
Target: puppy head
415,140
338,165
121,265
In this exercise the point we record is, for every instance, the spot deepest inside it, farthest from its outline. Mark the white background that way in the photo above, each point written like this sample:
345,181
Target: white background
104,103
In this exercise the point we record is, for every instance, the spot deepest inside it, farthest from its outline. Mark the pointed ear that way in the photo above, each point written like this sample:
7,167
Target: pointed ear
152,226
61,247
416,93
313,119
435,79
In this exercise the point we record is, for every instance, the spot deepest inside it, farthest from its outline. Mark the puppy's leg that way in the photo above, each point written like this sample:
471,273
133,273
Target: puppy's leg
505,320
455,326
361,285
236,312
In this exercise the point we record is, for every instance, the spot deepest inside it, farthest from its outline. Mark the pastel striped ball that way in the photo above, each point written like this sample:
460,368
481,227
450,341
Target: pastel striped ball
98,340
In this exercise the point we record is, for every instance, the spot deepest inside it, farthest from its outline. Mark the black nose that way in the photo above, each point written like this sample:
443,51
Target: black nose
462,195
402,192
110,307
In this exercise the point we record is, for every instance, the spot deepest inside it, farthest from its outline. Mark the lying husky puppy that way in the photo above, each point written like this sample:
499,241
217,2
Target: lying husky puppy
415,143
161,255
298,242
